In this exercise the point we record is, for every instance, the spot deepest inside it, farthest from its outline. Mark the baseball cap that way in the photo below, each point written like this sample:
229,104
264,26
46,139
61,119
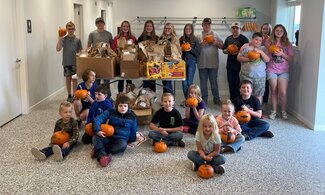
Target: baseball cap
206,20
100,19
237,24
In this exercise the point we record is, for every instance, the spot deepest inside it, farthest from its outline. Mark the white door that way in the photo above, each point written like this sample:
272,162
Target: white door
78,21
10,100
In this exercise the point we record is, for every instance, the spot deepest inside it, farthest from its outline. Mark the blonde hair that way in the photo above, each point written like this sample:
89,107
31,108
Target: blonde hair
197,89
228,103
65,104
173,36
210,118
166,94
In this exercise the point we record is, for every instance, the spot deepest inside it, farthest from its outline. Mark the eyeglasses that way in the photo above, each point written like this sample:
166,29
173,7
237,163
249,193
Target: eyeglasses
70,28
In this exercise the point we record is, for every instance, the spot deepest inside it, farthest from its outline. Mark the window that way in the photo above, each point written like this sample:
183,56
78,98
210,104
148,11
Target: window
294,24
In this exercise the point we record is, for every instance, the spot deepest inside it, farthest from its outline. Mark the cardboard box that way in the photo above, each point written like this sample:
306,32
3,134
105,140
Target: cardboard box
143,116
106,68
172,70
130,69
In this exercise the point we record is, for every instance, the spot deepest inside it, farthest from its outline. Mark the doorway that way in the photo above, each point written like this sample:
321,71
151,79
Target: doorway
78,21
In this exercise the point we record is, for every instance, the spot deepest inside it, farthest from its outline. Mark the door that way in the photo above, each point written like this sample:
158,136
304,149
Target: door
77,9
10,101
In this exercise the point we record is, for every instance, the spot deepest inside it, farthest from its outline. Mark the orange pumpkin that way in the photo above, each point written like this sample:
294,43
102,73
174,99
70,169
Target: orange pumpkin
89,129
227,137
186,46
205,171
253,55
62,32
60,137
274,49
160,147
80,93
243,116
192,102
232,49
208,39
107,129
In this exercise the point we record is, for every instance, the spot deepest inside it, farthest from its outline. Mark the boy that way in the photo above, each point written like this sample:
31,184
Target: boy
100,104
71,45
252,105
125,128
66,123
167,123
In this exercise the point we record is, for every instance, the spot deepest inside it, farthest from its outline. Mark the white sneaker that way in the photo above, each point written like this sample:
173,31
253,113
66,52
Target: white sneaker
38,154
195,167
57,153
272,115
284,115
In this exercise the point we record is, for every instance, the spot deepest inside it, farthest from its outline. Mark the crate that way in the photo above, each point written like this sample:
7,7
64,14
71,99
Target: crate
143,116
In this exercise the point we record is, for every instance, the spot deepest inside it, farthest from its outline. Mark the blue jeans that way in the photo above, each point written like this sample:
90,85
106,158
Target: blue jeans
233,83
236,145
254,128
168,87
212,75
190,72
48,150
108,145
120,85
150,84
195,157
170,139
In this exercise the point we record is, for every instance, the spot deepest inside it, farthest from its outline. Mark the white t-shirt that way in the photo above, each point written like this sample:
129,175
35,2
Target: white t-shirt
207,144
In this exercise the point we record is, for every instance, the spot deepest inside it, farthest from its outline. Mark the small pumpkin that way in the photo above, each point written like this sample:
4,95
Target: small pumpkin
160,147
274,49
89,129
232,49
186,46
107,129
227,137
208,39
192,102
253,55
205,171
62,32
243,116
60,137
80,93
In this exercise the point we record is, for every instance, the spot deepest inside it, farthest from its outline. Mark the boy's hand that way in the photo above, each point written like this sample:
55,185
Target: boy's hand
163,131
66,145
101,134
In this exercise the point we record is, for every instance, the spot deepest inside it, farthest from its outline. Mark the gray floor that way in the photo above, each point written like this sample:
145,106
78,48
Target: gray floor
293,162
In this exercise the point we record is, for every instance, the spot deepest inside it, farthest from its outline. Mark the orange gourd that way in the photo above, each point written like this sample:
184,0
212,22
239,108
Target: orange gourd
205,171
227,137
160,147
192,101
243,116
89,129
80,93
274,49
62,32
232,49
208,39
107,129
60,137
253,55
186,46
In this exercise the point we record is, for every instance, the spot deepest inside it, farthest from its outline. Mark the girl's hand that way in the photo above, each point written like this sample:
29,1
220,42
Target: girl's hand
101,134
66,145
208,158
280,53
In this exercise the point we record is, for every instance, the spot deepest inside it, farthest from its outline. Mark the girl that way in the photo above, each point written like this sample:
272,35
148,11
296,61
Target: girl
149,33
278,69
190,56
208,145
124,32
81,107
193,114
228,123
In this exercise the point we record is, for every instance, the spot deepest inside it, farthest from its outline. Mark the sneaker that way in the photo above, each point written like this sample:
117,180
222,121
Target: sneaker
219,169
284,115
246,136
38,154
185,129
92,152
153,142
225,149
180,144
267,134
57,153
70,99
105,160
217,102
195,166
272,115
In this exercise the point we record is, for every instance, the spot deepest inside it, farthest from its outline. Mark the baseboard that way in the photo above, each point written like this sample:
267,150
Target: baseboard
302,119
46,100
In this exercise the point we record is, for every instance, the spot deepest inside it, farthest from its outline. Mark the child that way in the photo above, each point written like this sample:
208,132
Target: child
100,104
66,123
81,107
125,128
252,105
166,123
208,145
71,45
193,114
254,70
228,123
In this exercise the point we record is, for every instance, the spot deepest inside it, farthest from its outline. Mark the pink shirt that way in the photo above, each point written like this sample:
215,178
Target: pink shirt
232,122
278,64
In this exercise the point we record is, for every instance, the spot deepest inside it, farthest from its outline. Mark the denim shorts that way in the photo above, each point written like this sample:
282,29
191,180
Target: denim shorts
258,85
271,75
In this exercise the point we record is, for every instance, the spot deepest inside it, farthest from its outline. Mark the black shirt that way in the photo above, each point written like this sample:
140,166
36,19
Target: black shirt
232,62
252,103
167,119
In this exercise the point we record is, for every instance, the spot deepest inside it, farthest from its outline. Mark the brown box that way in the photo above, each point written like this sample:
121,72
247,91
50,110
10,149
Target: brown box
106,68
130,69
143,116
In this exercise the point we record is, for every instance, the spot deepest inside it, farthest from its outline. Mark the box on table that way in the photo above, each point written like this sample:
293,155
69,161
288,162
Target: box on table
143,116
130,69
173,70
106,68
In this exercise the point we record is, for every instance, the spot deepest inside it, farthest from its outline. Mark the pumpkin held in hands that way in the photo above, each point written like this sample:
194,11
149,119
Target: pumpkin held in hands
89,129
160,147
274,49
186,46
107,129
208,39
232,49
253,55
62,32
205,171
80,93
60,137
243,116
192,102
227,137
